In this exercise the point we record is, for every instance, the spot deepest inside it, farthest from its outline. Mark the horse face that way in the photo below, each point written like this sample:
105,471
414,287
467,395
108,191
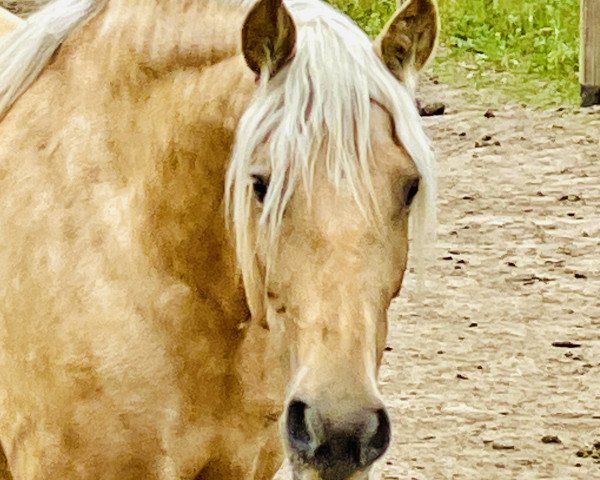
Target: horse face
331,274
330,284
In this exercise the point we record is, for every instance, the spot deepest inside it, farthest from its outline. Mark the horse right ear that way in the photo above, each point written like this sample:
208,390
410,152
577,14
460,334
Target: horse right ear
408,40
268,37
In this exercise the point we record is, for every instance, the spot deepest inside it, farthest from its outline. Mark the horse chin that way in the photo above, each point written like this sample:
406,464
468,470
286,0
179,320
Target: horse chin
303,473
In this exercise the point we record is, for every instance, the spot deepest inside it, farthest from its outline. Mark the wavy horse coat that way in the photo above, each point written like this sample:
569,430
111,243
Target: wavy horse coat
205,216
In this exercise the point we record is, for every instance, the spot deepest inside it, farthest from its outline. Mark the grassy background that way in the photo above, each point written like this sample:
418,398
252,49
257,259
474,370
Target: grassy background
498,50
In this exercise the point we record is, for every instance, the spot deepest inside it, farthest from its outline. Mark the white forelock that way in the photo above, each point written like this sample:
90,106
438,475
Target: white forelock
322,100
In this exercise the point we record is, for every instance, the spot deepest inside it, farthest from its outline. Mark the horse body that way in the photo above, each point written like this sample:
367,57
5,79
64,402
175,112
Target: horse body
129,347
129,293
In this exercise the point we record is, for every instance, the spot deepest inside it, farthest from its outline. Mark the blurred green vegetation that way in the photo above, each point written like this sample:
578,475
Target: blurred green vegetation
498,50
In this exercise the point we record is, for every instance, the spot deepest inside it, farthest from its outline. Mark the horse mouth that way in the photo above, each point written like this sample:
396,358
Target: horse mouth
301,471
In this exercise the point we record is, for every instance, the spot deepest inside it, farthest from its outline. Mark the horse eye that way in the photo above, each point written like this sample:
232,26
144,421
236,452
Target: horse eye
411,191
260,185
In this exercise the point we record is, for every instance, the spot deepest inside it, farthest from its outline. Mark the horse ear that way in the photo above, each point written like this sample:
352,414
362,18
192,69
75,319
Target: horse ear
268,37
409,38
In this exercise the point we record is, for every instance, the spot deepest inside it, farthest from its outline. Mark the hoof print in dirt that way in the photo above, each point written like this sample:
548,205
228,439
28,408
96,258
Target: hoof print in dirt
551,439
570,198
502,446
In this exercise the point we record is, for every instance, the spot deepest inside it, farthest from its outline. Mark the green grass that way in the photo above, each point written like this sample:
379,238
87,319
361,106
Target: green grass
371,15
498,50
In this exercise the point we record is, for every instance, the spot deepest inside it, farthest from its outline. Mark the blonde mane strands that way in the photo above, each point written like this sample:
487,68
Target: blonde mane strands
322,101
25,51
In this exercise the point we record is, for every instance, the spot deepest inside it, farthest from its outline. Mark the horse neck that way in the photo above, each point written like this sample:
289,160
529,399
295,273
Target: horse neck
175,30
173,88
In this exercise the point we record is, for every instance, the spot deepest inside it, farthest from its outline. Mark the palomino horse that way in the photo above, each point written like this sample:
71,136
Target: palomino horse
139,339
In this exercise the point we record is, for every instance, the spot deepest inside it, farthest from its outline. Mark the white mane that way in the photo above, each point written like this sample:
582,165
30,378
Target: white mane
25,51
324,93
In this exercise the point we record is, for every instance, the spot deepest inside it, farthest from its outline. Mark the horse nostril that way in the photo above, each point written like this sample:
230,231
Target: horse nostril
377,438
297,430
336,449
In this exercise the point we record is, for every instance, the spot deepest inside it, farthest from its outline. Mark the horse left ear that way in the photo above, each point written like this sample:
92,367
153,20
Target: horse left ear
408,40
268,37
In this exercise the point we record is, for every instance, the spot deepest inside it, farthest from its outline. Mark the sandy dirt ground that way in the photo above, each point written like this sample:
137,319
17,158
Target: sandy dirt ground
475,387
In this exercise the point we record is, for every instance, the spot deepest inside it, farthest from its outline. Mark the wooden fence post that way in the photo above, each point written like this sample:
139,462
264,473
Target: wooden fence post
589,58
8,21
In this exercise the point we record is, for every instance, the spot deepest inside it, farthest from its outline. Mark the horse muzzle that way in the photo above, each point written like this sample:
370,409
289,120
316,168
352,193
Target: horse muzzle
334,449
